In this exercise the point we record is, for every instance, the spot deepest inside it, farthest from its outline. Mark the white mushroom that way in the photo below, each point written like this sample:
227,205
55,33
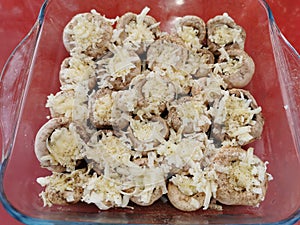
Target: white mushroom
144,193
200,63
87,33
165,53
100,108
40,146
237,118
209,88
189,115
104,193
183,201
136,32
192,30
242,177
153,92
91,155
155,195
257,128
58,146
61,104
236,67
63,188
222,31
125,103
76,69
116,69
145,135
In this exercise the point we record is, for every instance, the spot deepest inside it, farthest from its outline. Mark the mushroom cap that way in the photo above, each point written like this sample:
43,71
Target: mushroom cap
42,151
76,69
215,23
153,94
257,128
196,23
100,29
240,77
129,17
40,147
164,53
219,134
141,40
104,96
156,194
58,197
142,145
200,63
120,79
182,201
64,188
132,17
228,193
121,84
176,121
61,104
93,163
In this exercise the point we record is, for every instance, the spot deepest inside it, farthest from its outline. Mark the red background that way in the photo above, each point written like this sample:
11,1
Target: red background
17,17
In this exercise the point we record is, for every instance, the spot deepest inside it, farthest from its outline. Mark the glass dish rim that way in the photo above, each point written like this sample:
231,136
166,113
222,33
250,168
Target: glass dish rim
7,152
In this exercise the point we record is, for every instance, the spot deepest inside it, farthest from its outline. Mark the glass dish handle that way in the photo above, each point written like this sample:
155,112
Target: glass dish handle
13,87
288,68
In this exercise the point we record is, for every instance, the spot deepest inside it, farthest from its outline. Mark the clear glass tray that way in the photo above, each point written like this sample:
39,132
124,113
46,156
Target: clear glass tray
30,75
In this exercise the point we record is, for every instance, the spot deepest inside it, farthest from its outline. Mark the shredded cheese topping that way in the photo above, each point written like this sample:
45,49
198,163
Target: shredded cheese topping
202,181
189,36
223,35
139,31
237,116
102,108
193,113
247,173
181,80
195,62
64,147
230,65
65,185
146,131
121,63
156,91
104,193
87,31
166,54
78,69
61,104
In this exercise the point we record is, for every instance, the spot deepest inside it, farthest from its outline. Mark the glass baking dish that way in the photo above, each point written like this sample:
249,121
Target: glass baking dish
30,74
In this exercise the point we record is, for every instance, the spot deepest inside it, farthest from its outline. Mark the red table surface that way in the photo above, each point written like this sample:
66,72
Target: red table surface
17,17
